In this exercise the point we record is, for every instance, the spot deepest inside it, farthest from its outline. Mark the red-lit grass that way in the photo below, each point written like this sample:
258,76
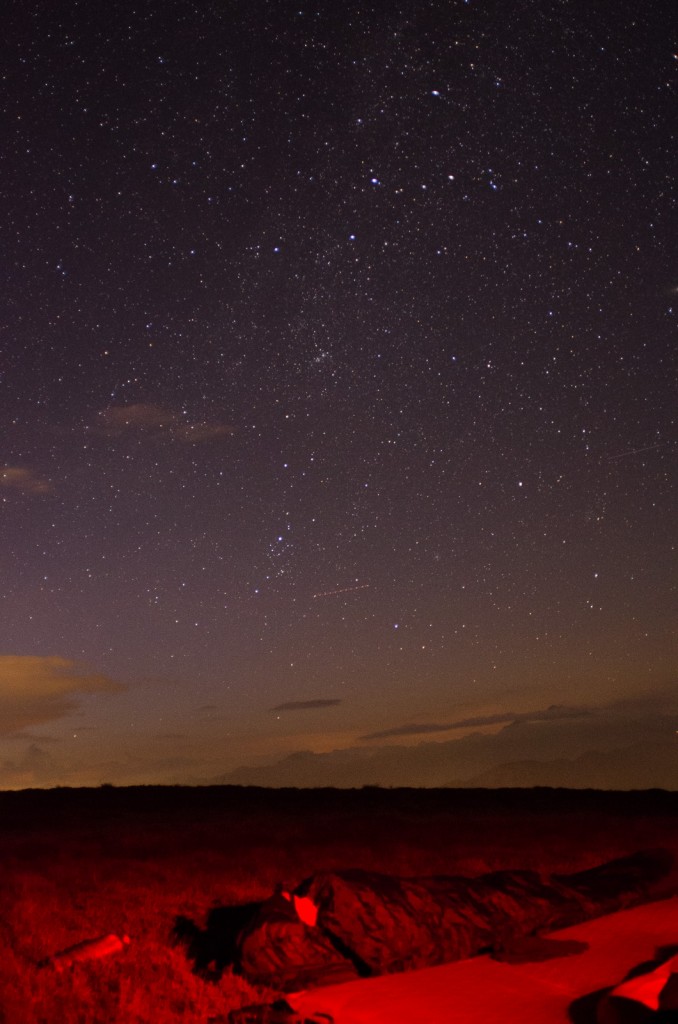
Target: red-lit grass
80,863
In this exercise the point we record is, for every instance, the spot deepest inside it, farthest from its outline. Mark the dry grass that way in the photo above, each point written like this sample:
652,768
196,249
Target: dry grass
79,863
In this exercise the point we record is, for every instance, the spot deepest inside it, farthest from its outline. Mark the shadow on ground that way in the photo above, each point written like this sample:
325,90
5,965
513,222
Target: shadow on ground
213,948
586,1009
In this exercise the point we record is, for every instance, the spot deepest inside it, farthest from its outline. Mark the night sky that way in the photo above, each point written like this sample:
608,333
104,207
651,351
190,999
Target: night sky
337,387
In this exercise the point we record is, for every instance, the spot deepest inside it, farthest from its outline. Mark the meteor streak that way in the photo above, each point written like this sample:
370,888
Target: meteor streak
637,451
341,590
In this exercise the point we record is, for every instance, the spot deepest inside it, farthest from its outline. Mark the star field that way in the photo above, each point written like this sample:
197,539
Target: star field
338,374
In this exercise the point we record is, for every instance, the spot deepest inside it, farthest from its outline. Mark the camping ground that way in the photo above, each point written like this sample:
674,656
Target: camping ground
76,864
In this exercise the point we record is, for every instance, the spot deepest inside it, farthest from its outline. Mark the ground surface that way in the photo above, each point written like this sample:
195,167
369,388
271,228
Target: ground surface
483,991
80,863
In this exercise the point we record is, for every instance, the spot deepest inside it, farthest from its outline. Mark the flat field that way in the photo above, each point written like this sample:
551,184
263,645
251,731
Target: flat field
76,864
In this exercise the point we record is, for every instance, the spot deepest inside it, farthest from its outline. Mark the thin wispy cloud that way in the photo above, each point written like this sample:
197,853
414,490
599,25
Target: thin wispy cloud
142,416
146,418
19,478
306,705
200,433
505,718
35,689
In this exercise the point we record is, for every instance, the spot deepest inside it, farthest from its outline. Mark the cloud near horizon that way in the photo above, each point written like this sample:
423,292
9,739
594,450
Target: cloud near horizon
627,745
18,478
35,690
306,705
33,768
156,422
504,718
